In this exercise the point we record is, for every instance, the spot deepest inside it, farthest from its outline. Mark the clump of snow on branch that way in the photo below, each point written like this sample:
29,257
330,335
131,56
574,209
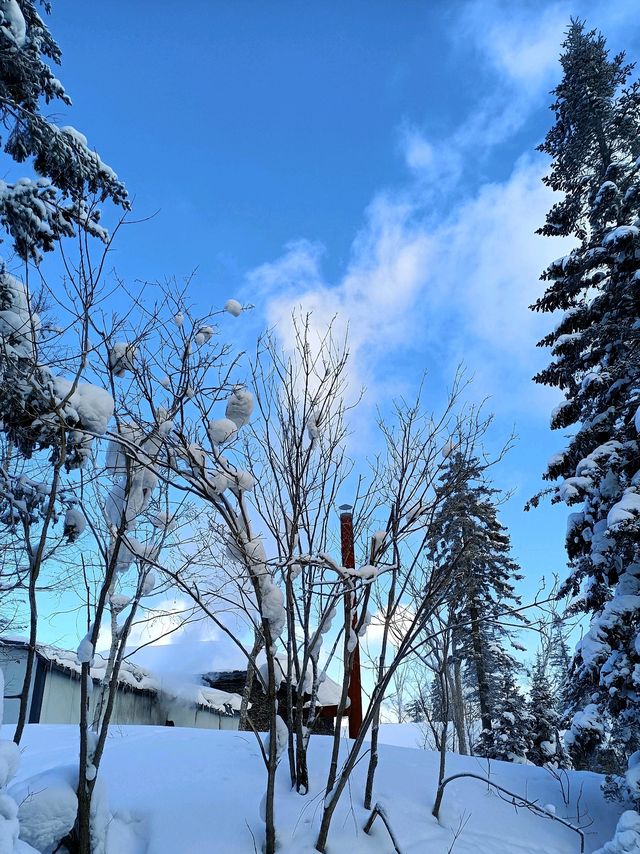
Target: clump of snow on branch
221,430
19,325
204,335
86,406
85,650
313,425
36,405
74,523
122,358
240,406
233,307
585,722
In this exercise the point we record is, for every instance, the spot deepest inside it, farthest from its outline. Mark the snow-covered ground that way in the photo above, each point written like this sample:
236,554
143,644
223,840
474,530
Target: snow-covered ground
186,791
403,735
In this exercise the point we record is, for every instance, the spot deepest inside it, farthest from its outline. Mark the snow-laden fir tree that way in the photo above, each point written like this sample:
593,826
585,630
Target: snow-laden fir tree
416,708
439,703
509,738
470,537
594,145
557,664
546,745
38,211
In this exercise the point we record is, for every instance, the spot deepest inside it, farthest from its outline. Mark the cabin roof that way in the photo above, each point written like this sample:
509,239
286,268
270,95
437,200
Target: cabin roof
133,677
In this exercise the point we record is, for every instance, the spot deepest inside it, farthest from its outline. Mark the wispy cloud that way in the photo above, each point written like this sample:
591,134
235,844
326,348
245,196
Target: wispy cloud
429,281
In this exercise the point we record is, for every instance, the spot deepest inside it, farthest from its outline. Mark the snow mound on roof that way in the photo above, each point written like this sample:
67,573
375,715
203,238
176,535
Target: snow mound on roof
178,669
329,692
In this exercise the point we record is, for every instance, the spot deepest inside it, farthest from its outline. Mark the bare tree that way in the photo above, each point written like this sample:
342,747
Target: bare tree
413,589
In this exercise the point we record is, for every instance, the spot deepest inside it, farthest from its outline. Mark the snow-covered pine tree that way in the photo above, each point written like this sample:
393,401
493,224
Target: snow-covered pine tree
37,211
70,179
546,745
595,144
439,704
416,708
470,537
509,738
558,664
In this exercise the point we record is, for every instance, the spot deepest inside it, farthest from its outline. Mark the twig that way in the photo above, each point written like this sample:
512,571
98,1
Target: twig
378,810
529,804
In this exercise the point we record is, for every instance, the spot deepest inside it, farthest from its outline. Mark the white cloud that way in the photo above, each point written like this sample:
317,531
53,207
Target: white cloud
520,42
487,271
387,270
437,292
444,269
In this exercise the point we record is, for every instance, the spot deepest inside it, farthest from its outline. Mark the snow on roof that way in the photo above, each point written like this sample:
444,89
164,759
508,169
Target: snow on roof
130,675
329,692
189,655
178,667
178,686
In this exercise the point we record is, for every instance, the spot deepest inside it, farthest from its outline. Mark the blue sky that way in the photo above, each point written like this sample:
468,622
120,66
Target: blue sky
374,159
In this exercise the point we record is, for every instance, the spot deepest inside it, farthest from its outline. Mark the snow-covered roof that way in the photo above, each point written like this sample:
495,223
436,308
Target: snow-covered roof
329,692
179,686
130,675
178,669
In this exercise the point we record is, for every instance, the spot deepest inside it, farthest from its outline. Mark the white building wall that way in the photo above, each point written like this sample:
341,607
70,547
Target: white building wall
185,714
13,663
61,700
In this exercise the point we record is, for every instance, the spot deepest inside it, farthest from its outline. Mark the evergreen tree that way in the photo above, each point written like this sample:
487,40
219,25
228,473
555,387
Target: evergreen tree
509,738
546,745
594,145
558,665
38,211
415,710
440,705
471,537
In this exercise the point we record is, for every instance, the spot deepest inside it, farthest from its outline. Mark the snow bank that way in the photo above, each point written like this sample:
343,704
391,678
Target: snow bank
200,792
48,808
9,820
627,838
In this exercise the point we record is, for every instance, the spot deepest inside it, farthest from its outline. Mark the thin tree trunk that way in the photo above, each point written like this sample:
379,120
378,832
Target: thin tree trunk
346,677
272,765
375,727
258,643
481,673
83,823
31,656
373,761
457,704
105,685
35,561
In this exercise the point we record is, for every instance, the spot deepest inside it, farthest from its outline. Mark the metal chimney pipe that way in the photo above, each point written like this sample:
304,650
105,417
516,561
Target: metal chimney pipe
355,677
